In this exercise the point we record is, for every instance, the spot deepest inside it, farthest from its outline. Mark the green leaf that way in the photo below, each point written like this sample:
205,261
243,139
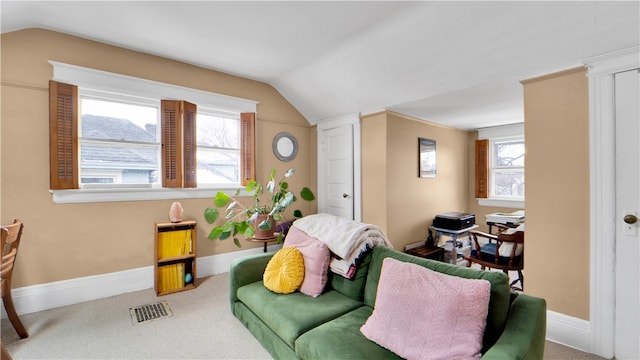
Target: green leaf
271,186
273,174
215,233
277,217
249,231
284,185
265,225
251,185
287,200
253,217
232,205
211,215
297,213
241,227
279,239
307,194
225,235
289,172
228,226
237,242
221,199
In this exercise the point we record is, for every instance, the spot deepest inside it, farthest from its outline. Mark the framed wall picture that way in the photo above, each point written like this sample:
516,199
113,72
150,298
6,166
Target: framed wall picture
426,158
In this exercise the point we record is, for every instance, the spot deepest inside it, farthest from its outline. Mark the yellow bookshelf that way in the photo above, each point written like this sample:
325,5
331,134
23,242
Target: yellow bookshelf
175,256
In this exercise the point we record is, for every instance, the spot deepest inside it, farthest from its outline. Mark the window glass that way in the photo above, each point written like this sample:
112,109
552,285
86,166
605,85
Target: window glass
507,171
119,142
509,153
218,151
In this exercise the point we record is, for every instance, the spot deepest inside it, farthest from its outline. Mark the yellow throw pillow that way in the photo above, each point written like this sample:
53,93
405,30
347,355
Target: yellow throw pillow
285,271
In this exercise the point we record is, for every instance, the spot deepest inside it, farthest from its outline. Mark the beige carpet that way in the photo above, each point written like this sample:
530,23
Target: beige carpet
201,327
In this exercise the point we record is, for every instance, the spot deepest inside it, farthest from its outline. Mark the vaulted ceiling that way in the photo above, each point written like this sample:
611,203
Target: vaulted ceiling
455,63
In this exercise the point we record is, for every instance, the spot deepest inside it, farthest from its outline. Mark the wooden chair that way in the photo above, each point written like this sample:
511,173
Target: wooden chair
504,251
11,235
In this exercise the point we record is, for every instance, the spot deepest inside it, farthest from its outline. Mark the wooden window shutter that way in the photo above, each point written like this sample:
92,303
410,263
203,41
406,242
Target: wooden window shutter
482,169
190,145
63,136
247,147
171,125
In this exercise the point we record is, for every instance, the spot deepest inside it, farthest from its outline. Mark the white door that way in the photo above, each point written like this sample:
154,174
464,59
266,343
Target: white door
336,171
627,319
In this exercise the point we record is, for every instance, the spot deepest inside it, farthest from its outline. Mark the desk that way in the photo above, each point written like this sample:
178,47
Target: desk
491,224
454,237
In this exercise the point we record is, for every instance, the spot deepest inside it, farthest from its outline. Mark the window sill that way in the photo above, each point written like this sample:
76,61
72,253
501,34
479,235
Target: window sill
92,195
515,204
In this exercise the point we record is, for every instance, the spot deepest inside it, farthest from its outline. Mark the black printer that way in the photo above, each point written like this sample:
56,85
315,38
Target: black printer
454,220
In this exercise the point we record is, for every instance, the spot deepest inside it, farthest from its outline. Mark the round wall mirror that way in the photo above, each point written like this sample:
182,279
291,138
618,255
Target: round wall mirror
285,146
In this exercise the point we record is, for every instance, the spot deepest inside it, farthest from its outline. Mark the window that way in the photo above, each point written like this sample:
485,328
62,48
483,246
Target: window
218,151
119,141
500,158
123,138
507,169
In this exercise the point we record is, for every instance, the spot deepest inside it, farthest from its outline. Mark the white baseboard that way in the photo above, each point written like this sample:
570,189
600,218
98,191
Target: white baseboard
568,331
30,299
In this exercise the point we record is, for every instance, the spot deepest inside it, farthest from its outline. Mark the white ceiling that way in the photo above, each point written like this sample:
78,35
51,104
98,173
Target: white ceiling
455,63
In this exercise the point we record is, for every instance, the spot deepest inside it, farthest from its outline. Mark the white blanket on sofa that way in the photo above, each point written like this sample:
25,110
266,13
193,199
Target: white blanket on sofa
347,239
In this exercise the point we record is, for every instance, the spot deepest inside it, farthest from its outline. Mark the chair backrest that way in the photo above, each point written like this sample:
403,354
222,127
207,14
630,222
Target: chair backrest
11,235
515,237
510,245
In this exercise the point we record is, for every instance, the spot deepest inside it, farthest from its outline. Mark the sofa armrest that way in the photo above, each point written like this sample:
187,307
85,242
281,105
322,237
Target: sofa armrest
524,333
246,270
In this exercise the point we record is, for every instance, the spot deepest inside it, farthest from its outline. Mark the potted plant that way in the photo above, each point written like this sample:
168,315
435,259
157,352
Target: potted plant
260,218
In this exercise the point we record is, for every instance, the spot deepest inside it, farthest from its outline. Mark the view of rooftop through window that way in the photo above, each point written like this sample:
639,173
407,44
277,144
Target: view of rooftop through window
120,143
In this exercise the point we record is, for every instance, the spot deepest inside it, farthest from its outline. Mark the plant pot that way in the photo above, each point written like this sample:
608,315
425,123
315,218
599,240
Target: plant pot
264,233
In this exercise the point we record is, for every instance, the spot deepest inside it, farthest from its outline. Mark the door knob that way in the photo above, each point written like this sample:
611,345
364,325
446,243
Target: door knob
345,195
630,219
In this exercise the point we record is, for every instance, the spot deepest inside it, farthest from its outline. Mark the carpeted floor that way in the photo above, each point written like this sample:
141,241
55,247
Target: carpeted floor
201,327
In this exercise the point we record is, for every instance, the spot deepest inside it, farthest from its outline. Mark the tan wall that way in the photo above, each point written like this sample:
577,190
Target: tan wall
64,241
374,169
411,202
557,198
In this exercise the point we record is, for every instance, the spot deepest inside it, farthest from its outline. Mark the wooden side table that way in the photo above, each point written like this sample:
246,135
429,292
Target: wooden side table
435,253
265,241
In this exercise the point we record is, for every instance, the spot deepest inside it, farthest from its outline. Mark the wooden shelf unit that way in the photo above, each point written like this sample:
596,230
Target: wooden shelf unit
175,257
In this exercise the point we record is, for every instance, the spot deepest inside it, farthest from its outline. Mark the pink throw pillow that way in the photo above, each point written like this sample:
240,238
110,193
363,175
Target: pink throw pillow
420,313
316,260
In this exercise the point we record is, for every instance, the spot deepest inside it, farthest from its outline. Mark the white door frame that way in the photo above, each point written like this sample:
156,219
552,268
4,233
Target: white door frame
603,193
352,120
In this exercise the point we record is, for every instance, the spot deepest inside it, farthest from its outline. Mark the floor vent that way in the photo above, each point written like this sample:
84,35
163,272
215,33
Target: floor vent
150,312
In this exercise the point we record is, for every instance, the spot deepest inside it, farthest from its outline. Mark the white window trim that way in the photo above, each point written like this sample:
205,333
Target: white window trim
88,195
122,84
104,81
496,133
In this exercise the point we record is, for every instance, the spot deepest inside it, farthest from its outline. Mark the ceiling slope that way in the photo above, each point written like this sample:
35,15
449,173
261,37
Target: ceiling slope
456,63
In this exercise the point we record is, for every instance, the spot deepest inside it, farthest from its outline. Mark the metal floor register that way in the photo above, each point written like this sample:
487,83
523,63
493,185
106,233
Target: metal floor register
150,312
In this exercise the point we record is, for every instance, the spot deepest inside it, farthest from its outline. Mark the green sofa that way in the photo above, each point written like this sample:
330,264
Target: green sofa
328,327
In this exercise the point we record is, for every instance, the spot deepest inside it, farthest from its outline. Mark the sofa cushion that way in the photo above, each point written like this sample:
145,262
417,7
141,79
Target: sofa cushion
500,291
354,287
285,271
316,260
341,339
420,311
294,314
